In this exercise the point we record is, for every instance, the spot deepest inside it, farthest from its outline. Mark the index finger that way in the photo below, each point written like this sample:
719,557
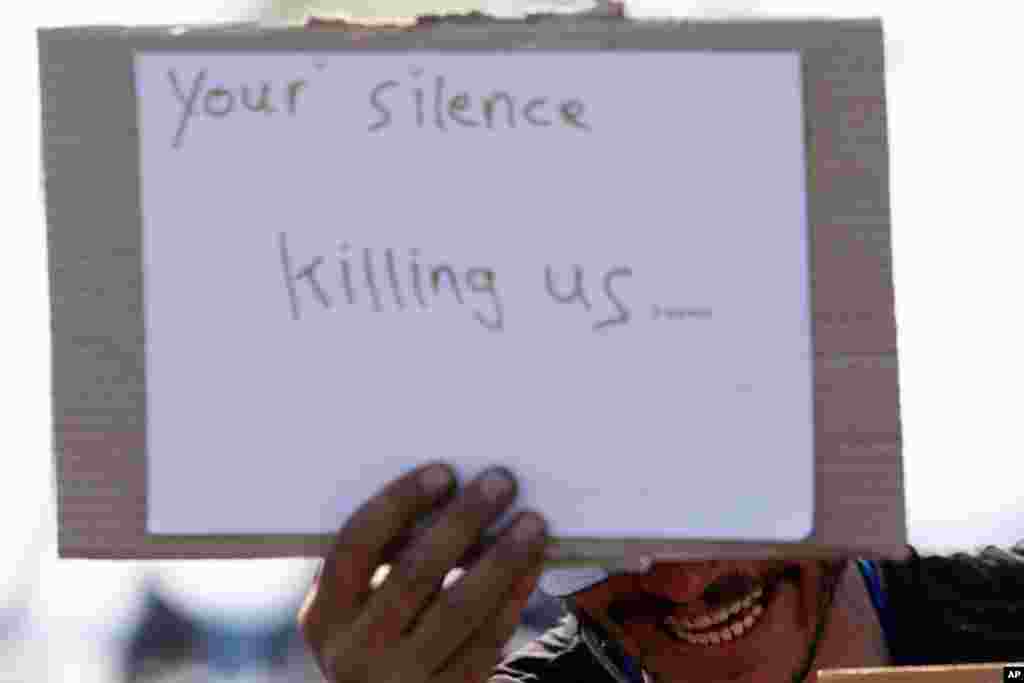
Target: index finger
368,537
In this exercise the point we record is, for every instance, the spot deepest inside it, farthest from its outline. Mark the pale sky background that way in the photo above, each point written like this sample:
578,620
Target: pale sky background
954,103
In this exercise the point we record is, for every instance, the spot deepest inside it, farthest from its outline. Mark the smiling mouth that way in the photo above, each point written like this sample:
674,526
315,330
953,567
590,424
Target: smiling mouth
728,623
734,604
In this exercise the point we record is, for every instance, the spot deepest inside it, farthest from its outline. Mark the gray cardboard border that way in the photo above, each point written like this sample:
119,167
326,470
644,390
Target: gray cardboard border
91,164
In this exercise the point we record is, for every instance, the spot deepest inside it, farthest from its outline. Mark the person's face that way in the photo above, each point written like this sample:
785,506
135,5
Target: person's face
713,621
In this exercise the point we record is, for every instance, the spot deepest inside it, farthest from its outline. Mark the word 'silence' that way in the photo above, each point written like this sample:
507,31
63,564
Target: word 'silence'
461,109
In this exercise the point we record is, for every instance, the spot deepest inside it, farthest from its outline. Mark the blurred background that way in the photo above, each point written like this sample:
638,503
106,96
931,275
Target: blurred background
954,103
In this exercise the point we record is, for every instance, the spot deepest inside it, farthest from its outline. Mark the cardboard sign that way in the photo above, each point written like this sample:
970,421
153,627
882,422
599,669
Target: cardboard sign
960,673
643,265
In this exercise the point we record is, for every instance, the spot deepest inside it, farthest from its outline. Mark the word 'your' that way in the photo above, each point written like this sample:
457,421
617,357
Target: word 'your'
219,102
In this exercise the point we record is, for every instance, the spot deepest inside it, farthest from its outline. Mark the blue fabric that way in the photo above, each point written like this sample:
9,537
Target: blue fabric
632,669
873,582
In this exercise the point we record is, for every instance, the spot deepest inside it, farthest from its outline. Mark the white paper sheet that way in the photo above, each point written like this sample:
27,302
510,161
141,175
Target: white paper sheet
680,405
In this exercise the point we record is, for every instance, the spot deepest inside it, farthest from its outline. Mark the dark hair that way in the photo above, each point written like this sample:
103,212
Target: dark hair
958,609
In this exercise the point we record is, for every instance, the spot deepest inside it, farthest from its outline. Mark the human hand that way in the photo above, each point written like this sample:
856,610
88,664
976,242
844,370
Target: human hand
411,629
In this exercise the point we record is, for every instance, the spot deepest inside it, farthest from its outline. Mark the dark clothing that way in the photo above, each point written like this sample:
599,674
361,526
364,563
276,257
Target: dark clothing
960,609
936,610
557,656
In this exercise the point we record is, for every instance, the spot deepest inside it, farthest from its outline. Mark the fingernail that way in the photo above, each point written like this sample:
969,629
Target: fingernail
638,565
436,480
529,527
495,485
319,572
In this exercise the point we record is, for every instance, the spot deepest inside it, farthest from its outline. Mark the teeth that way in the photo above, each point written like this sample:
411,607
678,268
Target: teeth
683,626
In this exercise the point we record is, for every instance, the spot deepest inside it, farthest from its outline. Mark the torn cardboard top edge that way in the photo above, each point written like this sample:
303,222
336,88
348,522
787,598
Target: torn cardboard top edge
606,9
606,12
602,9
